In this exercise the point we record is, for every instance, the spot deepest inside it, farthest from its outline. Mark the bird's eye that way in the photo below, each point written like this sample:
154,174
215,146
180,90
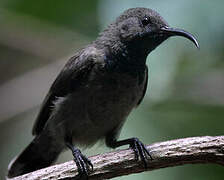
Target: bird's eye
146,21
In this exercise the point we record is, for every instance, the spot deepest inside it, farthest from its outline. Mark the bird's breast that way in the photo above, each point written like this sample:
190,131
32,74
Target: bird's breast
101,105
112,98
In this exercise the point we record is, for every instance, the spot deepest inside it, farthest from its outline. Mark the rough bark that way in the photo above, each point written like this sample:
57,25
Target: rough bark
193,150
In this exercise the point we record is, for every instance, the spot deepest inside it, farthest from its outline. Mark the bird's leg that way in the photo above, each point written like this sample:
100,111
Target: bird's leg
82,162
135,144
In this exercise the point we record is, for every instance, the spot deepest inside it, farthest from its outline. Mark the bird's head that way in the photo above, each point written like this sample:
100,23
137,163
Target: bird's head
143,29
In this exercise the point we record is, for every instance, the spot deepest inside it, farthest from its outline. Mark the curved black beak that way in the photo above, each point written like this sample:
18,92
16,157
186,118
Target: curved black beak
179,32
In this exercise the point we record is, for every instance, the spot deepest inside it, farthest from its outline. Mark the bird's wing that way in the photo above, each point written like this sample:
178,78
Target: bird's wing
145,86
74,73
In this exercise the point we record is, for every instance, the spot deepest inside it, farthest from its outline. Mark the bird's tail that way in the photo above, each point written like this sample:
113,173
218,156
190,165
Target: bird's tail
40,153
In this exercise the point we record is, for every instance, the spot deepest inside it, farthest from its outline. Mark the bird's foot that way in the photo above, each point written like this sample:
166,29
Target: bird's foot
140,151
83,163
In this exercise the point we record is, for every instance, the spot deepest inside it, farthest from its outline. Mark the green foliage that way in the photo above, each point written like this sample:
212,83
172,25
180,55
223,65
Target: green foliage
72,14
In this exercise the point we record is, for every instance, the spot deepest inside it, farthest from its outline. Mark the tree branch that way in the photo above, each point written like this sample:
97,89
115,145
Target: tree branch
193,150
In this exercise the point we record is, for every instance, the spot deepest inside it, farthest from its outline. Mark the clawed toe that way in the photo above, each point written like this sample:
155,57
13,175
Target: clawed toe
83,163
140,151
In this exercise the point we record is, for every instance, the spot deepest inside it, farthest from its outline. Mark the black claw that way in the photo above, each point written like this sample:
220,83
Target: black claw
83,163
147,152
140,151
136,151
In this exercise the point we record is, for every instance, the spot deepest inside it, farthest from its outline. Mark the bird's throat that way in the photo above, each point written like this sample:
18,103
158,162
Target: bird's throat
127,60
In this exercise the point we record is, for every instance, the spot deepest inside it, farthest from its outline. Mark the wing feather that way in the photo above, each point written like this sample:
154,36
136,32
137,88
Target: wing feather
145,86
74,73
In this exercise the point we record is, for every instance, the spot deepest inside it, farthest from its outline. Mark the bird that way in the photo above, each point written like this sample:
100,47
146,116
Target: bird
95,92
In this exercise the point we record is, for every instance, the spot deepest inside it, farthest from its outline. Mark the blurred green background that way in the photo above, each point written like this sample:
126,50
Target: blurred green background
185,96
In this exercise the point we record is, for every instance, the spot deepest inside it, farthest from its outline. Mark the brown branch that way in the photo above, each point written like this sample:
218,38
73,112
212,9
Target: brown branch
193,150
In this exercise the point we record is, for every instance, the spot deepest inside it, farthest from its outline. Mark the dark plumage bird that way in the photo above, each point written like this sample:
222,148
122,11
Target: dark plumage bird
95,92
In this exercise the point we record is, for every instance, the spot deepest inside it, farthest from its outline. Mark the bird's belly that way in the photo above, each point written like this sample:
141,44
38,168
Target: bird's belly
94,111
112,107
110,103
